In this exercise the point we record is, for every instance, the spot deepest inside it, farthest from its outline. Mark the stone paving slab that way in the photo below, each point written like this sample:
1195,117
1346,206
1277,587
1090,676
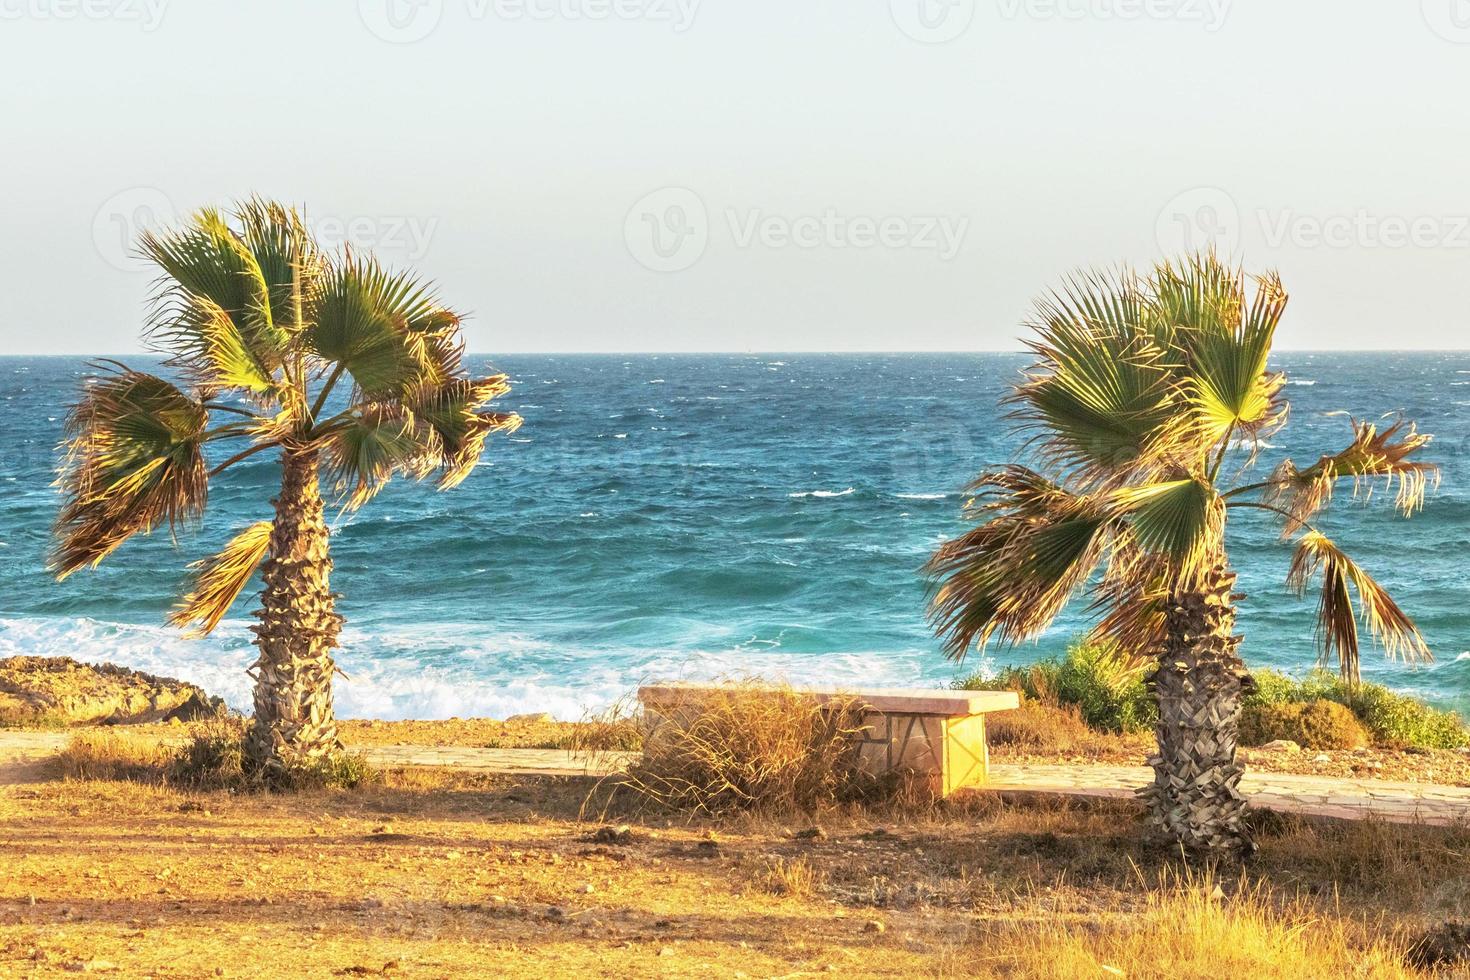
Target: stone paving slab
1396,802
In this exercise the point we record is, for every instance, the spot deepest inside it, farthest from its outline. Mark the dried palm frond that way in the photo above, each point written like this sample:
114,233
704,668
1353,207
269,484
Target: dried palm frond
1373,455
1337,621
218,581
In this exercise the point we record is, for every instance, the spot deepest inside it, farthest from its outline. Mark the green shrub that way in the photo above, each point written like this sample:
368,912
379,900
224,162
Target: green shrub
1105,687
1319,724
1391,718
213,758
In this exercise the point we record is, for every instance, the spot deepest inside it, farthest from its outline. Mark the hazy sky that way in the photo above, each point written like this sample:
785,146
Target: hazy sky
751,174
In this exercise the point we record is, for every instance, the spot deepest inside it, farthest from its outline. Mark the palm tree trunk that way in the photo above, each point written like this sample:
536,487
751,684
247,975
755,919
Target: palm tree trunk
1195,797
295,727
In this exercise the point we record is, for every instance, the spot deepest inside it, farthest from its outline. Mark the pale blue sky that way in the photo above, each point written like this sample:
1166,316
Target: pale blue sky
840,181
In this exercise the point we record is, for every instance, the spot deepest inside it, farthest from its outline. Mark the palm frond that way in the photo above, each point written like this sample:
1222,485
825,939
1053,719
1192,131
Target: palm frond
287,256
1181,520
1101,391
1224,344
1014,573
1374,457
1337,620
454,411
134,460
365,451
211,308
218,581
387,329
1133,596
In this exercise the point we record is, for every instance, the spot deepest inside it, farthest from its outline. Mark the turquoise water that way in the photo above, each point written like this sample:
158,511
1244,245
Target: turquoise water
698,515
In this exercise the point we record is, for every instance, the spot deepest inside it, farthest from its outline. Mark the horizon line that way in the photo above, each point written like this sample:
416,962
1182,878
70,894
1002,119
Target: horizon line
803,352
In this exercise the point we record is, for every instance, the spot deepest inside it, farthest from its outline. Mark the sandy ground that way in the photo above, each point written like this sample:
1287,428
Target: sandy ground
438,874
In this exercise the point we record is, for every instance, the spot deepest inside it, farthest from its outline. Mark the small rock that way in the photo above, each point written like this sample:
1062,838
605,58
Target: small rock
1322,757
587,889
532,718
622,834
1281,745
874,926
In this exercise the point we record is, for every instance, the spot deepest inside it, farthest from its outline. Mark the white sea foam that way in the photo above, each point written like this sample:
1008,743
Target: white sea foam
449,670
823,493
921,496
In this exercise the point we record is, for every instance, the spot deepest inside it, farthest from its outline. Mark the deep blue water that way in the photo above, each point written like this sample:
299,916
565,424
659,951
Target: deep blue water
699,515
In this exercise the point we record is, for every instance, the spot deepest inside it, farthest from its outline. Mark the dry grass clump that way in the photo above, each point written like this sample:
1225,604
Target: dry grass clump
108,754
750,747
1193,928
1037,727
211,758
789,877
1319,724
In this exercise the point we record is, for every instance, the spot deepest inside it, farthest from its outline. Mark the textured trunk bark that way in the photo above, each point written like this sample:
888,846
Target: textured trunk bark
294,724
1195,797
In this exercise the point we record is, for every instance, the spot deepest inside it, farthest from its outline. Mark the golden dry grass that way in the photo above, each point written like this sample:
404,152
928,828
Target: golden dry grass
431,873
749,746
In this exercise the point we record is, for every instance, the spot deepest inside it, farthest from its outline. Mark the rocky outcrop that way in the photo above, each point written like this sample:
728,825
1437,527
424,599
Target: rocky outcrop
59,691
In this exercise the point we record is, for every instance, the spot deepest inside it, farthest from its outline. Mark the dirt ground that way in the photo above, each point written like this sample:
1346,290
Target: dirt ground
431,874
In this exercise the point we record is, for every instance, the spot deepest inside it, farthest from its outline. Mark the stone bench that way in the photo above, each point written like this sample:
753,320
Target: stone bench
937,734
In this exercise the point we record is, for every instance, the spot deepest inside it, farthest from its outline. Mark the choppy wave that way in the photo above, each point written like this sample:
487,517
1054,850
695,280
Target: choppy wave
823,493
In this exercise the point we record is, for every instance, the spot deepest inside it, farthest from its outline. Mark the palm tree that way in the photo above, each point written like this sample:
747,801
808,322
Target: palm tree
1143,388
264,327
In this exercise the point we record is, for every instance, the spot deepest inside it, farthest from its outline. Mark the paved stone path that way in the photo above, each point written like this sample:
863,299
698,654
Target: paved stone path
22,754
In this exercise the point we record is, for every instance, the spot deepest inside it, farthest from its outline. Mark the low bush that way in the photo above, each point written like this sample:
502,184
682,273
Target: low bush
1037,727
1105,686
1318,724
212,758
1392,719
750,747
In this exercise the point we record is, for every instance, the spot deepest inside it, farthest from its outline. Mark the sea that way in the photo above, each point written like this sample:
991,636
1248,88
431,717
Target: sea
699,516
